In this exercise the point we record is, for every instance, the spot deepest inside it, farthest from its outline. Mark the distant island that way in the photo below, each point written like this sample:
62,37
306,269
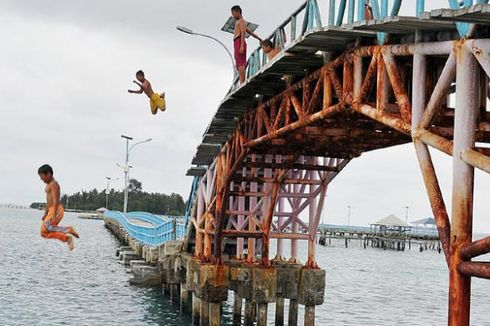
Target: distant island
139,200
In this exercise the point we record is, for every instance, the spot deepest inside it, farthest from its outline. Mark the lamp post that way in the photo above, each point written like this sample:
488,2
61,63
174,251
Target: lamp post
407,208
109,181
191,32
348,214
126,167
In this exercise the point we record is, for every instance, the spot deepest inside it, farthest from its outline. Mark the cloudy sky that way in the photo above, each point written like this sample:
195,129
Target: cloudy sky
66,66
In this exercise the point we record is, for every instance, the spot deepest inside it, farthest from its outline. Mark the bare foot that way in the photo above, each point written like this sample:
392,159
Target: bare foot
72,231
70,243
162,95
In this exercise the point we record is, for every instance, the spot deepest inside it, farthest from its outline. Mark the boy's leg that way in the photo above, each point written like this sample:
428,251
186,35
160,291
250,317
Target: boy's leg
241,73
153,107
52,230
56,235
70,243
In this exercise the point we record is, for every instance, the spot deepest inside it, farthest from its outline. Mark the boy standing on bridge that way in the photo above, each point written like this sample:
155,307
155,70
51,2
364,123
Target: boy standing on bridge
54,212
239,41
157,101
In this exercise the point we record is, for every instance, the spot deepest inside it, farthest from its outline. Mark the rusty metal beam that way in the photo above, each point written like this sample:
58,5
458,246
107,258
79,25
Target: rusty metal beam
467,107
440,91
481,270
283,165
477,248
478,160
435,196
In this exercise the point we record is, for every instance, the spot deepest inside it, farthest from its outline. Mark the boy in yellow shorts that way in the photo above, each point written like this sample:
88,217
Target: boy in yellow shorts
157,101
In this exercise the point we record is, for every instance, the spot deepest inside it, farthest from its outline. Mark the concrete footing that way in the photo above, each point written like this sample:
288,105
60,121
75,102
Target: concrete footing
200,287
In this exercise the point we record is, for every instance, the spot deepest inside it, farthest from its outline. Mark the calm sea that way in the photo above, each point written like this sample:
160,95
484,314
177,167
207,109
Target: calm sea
41,283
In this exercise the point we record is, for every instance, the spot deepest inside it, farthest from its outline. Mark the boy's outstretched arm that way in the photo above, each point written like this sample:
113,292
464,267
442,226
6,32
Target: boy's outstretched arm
253,34
136,92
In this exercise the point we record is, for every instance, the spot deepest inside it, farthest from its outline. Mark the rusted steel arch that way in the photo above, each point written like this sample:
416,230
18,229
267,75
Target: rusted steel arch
279,116
368,98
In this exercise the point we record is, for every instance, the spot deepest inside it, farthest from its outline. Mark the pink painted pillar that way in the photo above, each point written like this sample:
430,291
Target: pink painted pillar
312,211
294,225
240,219
252,203
267,201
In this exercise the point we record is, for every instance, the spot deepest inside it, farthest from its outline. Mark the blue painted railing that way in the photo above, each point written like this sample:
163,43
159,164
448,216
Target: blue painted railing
155,231
338,13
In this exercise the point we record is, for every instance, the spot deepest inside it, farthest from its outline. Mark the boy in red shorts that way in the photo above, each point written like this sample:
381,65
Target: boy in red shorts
239,42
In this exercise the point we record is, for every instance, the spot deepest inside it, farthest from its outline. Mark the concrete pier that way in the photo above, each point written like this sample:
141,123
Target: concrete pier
237,309
186,279
279,320
196,309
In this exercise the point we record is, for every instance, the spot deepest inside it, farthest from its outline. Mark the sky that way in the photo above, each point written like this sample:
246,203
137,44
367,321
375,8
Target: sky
66,68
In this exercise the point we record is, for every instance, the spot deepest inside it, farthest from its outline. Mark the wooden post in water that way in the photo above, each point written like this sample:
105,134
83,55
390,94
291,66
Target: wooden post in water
204,313
184,298
262,314
309,315
279,311
293,312
249,312
196,309
237,310
215,314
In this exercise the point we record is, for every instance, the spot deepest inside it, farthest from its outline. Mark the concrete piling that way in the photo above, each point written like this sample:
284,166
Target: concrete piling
293,312
215,314
237,309
196,310
249,312
206,285
262,314
184,298
309,315
279,320
204,315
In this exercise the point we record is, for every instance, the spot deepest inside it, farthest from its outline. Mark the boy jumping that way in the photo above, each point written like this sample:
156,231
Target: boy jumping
54,210
157,101
239,42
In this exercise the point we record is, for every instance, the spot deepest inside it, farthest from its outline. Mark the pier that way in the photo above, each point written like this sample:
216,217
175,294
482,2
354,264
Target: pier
367,237
343,85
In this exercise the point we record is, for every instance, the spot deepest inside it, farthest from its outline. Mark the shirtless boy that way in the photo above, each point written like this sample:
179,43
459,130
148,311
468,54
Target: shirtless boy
239,42
157,101
54,210
269,49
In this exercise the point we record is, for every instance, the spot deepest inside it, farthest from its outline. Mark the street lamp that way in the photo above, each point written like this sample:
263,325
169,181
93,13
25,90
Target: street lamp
407,208
348,214
126,167
191,32
109,181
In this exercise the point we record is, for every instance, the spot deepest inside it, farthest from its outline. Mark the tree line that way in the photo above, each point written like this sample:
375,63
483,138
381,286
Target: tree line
139,200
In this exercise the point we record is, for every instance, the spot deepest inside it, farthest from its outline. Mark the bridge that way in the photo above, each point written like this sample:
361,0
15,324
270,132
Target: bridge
336,91
147,228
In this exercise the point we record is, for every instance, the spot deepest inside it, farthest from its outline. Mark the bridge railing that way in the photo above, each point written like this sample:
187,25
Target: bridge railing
154,230
339,12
